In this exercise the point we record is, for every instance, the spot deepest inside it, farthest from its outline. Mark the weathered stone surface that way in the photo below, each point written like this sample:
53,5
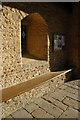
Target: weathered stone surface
31,107
70,113
58,95
39,100
69,89
73,86
14,71
10,117
21,114
50,108
71,102
40,113
21,100
55,102
69,94
11,44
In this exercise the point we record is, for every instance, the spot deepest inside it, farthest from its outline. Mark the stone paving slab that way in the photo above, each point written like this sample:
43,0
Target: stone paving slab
31,107
61,103
58,95
69,89
70,102
75,82
40,113
55,102
50,108
72,86
21,114
66,93
70,113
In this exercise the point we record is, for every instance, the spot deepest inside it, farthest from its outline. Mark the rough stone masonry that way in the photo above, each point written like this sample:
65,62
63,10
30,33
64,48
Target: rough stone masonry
13,71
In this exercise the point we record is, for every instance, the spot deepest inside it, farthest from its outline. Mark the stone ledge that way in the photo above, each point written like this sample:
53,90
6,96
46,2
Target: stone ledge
15,90
17,102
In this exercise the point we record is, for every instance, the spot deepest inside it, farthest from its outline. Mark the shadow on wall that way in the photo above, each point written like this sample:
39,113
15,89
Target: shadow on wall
36,45
34,36
57,57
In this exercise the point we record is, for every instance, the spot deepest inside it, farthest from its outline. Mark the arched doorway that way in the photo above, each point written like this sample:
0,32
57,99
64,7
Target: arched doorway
35,36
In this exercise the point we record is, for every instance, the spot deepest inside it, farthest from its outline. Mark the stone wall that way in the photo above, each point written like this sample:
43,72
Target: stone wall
11,52
13,70
73,44
59,25
57,21
0,40
0,57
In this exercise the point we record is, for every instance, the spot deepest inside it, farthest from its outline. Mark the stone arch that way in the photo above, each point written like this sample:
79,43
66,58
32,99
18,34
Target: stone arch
36,38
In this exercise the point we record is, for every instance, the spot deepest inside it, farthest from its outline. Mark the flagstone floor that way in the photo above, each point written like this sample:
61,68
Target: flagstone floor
64,102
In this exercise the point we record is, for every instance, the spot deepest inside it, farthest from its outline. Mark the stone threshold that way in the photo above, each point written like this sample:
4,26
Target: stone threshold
16,90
